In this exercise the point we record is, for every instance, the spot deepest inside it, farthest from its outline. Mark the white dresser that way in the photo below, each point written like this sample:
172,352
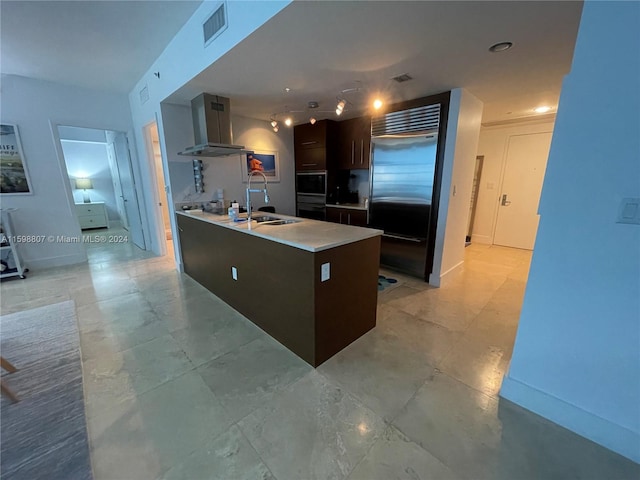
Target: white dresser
92,215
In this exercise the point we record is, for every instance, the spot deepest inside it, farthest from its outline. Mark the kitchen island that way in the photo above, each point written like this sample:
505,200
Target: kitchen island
311,285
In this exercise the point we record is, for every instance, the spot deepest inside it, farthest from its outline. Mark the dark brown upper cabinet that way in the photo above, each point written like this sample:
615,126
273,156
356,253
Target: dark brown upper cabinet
315,145
354,143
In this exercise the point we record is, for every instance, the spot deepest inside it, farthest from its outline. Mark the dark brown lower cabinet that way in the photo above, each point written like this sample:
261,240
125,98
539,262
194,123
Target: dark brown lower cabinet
279,287
347,216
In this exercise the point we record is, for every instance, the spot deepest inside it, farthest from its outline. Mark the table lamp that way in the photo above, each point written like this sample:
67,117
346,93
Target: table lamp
84,184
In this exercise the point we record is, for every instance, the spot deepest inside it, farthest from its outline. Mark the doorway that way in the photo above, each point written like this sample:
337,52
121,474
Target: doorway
125,185
98,166
154,157
525,165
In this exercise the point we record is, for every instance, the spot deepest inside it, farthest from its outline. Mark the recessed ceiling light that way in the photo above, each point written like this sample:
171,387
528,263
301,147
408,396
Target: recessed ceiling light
312,104
377,104
287,89
288,121
542,109
500,47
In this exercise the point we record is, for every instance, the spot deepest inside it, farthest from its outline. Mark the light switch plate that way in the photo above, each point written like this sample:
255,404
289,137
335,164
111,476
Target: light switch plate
234,273
325,272
629,211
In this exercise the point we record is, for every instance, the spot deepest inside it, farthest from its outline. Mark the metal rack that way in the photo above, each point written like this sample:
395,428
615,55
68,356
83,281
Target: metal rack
8,247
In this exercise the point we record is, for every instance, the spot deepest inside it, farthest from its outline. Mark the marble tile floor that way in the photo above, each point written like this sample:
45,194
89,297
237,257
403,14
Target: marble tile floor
180,386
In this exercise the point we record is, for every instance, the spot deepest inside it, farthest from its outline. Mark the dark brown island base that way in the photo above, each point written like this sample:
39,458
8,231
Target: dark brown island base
311,285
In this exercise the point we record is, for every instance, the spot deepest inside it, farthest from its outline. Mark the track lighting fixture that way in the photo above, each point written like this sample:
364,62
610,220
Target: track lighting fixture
312,120
274,124
288,121
340,107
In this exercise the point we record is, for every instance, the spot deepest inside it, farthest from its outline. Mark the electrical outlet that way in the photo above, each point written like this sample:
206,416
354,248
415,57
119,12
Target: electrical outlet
234,273
629,211
325,272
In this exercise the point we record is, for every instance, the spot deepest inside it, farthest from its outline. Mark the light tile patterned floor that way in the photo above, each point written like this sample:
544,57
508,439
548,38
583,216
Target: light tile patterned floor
180,386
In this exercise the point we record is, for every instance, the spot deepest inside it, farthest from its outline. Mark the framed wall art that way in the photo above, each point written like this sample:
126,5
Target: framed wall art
265,161
14,176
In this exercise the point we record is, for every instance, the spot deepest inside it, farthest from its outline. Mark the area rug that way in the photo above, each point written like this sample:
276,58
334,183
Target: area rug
44,435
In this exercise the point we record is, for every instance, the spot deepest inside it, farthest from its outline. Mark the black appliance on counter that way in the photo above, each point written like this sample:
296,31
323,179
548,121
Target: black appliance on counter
311,195
405,183
344,190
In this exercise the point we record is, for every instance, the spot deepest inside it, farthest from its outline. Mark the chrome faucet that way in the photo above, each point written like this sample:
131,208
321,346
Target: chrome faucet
255,190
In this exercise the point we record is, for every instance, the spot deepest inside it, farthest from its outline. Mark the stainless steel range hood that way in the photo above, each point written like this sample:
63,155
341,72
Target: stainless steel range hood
212,128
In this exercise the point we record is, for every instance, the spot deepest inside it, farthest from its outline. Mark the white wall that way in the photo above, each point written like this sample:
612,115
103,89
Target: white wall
463,129
183,59
226,172
576,359
90,160
81,134
493,146
37,107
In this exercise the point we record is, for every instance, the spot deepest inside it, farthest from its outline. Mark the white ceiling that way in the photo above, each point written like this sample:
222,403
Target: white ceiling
319,48
106,45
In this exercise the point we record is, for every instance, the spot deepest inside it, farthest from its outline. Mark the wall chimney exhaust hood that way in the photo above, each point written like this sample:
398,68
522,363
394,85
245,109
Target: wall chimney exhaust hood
212,128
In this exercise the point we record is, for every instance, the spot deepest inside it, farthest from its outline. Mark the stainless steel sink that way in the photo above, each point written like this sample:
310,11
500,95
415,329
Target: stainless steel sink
280,222
264,218
268,220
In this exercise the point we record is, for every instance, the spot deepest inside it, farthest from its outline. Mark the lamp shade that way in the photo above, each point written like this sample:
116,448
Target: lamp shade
83,183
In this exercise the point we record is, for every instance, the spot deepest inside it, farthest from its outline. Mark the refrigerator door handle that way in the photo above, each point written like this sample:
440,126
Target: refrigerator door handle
398,237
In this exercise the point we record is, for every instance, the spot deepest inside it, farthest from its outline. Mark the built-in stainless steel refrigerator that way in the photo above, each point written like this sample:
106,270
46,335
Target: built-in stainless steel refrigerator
403,177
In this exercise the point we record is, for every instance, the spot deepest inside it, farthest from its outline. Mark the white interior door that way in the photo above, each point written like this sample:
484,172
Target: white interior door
117,187
155,157
518,218
128,186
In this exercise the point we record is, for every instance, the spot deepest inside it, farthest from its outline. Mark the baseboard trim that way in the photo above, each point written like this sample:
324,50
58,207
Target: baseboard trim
604,432
59,261
446,277
483,239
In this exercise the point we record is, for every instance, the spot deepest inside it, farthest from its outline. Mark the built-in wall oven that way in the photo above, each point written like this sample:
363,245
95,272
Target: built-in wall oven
311,195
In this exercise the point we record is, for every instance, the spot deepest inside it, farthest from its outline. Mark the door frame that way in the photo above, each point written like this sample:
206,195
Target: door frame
62,166
160,232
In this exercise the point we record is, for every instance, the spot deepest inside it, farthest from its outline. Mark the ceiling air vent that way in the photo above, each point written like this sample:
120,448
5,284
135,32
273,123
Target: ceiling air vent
415,121
215,24
144,95
405,77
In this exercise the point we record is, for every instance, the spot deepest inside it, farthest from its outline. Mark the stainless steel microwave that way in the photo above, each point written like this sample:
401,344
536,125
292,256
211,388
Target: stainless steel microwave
312,183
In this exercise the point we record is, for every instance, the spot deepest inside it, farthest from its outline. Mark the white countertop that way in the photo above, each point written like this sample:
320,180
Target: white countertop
310,235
